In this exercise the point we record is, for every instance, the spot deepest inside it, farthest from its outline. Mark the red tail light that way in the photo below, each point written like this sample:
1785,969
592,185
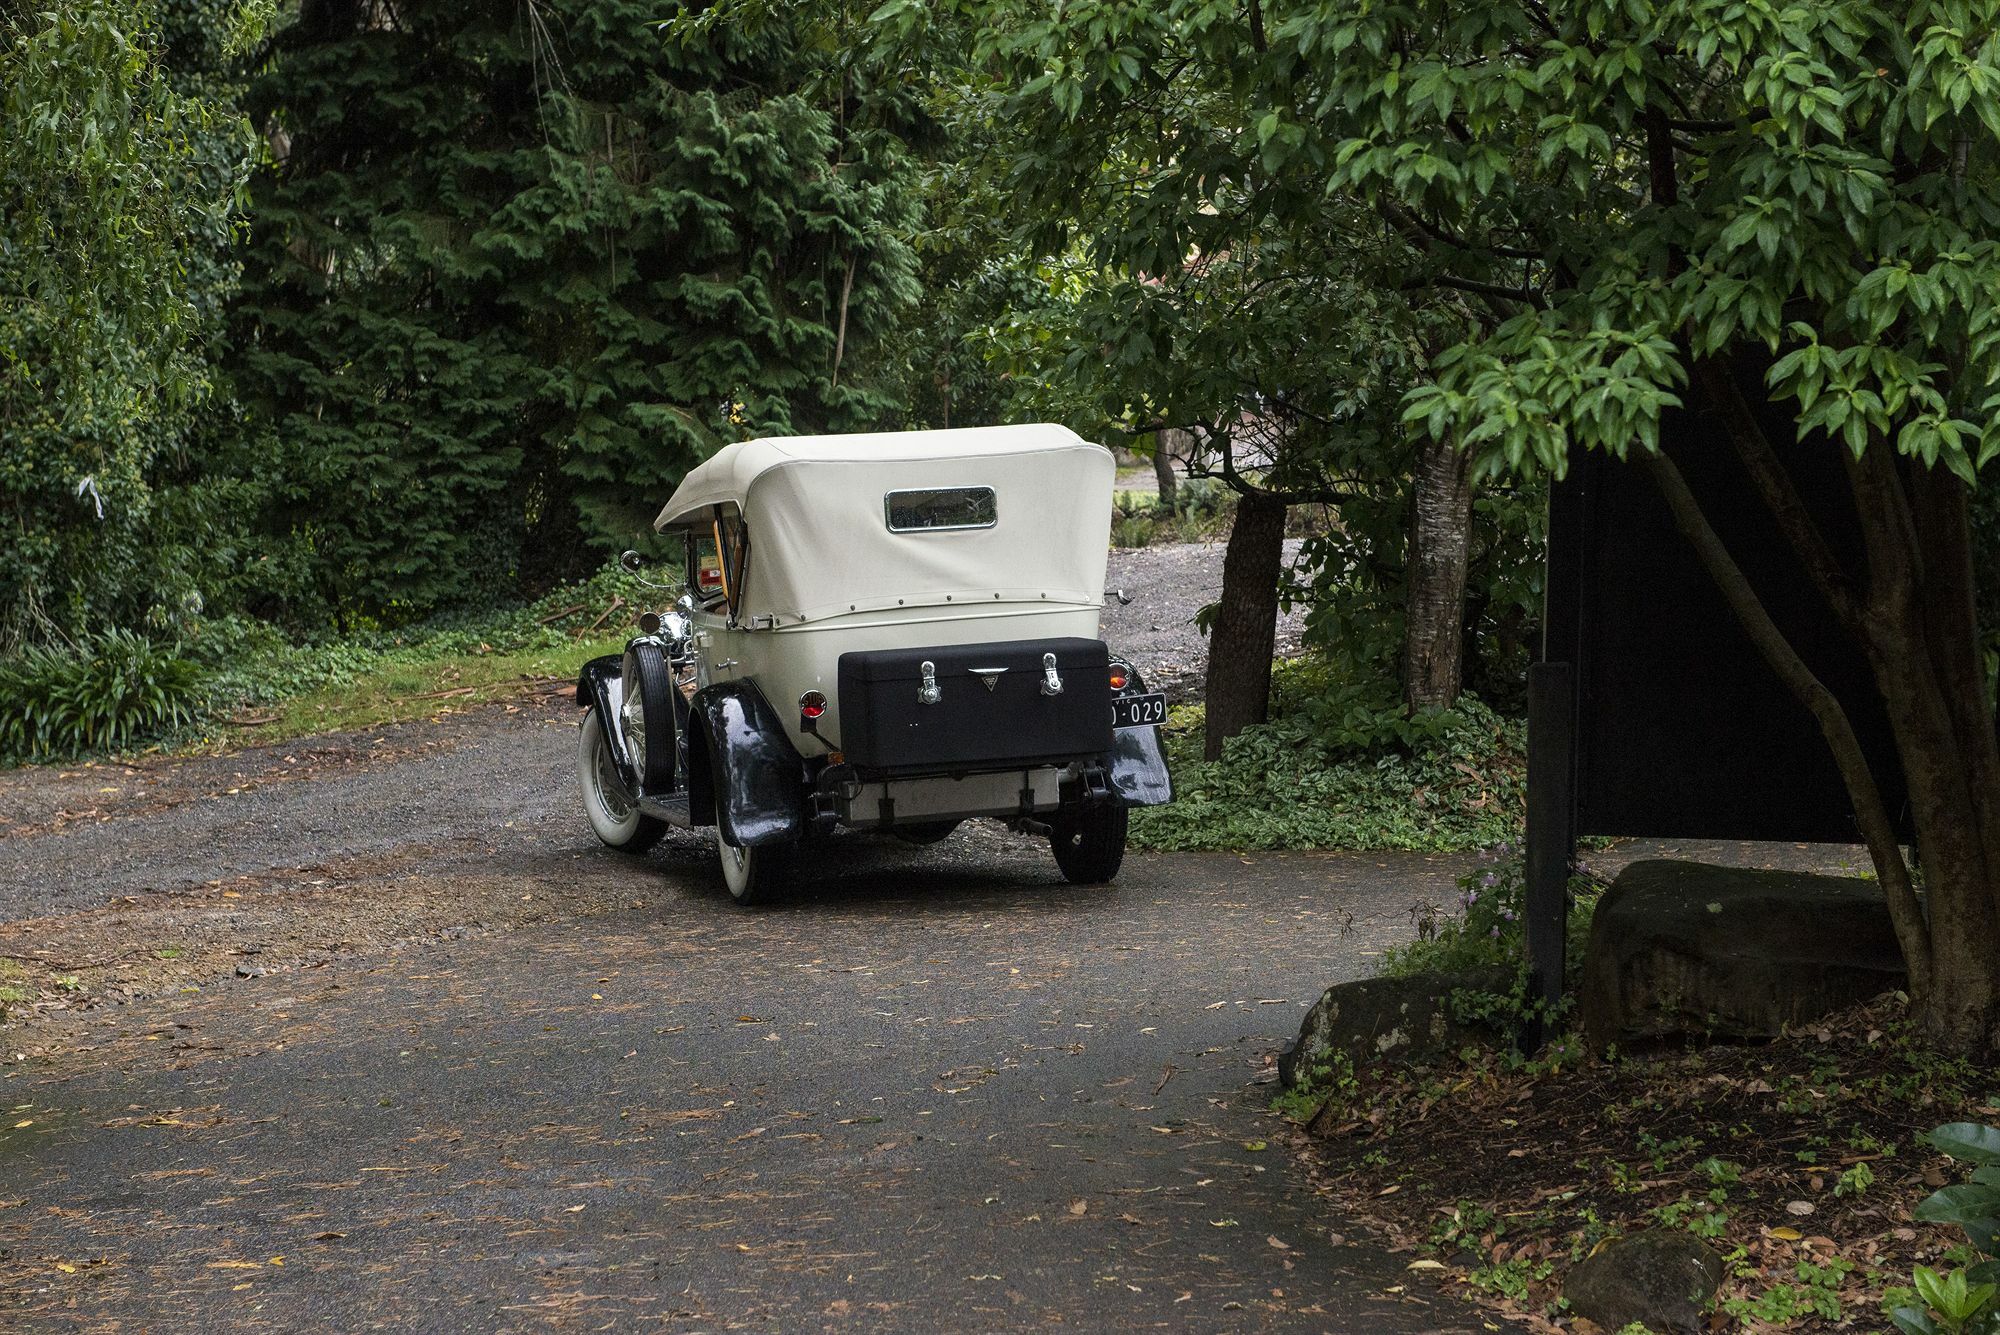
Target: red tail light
1118,679
811,705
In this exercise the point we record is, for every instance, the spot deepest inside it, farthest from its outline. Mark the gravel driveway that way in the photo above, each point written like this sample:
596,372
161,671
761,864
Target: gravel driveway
367,1031
1167,585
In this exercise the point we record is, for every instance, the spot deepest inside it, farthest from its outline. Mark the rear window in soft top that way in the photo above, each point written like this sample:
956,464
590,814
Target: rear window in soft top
929,508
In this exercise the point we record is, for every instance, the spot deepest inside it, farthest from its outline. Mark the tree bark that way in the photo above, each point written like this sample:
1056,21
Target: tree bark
1921,635
1244,633
1169,444
1440,538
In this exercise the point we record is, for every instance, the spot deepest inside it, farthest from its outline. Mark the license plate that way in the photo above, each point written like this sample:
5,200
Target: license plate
1138,711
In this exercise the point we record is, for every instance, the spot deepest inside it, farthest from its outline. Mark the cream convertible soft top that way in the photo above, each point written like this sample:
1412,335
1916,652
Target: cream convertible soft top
820,544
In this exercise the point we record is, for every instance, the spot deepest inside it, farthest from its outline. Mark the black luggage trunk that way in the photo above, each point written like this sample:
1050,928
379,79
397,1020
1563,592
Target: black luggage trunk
983,719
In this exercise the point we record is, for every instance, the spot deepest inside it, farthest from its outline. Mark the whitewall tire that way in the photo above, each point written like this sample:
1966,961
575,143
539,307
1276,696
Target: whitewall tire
617,822
754,875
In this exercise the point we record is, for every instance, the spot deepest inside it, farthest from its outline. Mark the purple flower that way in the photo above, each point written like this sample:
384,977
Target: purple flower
1496,933
1489,880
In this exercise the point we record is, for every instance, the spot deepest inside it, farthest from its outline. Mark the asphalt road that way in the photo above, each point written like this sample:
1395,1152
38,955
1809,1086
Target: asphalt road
938,1090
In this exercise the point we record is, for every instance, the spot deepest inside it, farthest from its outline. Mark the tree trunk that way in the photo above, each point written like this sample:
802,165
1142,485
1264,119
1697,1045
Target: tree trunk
1440,535
1922,636
1913,615
1244,633
1169,444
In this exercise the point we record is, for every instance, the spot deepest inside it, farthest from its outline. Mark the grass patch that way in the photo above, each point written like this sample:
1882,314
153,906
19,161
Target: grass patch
414,684
234,680
268,686
1341,765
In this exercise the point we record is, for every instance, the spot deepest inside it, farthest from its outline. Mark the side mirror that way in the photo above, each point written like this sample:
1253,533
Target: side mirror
634,563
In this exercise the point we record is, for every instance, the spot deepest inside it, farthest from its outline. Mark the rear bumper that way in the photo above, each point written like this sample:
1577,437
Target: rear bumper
884,803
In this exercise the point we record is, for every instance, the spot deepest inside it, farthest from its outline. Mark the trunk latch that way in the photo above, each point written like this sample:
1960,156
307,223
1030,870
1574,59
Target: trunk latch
927,690
1051,681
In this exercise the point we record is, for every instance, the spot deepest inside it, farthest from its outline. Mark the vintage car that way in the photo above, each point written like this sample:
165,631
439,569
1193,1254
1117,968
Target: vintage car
890,632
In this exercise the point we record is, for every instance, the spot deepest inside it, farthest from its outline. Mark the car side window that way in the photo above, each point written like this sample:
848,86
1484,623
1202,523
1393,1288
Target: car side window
704,569
718,557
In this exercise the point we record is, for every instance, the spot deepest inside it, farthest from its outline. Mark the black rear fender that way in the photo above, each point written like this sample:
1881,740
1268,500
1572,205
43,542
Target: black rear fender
744,774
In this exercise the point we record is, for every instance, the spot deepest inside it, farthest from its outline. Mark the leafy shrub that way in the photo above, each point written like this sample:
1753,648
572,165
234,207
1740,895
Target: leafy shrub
1962,1301
1201,510
1489,927
115,689
1341,765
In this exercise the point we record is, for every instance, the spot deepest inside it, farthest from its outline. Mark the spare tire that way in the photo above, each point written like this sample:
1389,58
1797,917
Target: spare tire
646,718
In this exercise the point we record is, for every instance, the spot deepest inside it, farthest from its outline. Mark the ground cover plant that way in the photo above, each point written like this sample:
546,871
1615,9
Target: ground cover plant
1807,1164
1343,765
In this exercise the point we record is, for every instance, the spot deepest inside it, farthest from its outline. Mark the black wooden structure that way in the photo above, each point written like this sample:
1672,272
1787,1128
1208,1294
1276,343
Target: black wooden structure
1651,712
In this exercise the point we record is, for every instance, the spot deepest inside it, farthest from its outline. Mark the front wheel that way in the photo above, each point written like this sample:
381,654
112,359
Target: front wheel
754,875
618,823
1090,844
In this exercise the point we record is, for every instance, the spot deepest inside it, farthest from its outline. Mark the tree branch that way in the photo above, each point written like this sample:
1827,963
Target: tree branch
1525,295
1906,913
1781,498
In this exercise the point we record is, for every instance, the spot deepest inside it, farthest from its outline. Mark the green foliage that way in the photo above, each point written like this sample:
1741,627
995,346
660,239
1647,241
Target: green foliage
1835,177
1199,275
251,662
119,189
1200,511
1965,1300
1333,1080
1342,766
1488,933
114,690
1817,1293
514,270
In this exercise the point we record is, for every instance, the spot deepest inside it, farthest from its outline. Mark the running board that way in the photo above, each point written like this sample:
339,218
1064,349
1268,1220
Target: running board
672,809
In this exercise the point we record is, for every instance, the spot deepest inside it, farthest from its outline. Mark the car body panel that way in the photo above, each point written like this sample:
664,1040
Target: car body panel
757,779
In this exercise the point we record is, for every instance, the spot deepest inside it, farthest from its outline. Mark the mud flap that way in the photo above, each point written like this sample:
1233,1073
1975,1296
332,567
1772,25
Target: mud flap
1138,767
757,778
1139,775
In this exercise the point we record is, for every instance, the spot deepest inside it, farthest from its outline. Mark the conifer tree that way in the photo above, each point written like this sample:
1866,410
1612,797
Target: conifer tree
517,267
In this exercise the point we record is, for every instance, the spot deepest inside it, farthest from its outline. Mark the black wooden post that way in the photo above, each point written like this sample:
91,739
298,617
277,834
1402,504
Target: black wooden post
1551,832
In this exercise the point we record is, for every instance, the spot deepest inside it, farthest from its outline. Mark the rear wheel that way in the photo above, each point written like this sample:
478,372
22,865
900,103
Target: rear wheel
618,823
1089,844
755,875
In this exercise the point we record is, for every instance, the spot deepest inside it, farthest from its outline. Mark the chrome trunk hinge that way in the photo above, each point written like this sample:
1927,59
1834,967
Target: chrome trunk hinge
927,691
1051,682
